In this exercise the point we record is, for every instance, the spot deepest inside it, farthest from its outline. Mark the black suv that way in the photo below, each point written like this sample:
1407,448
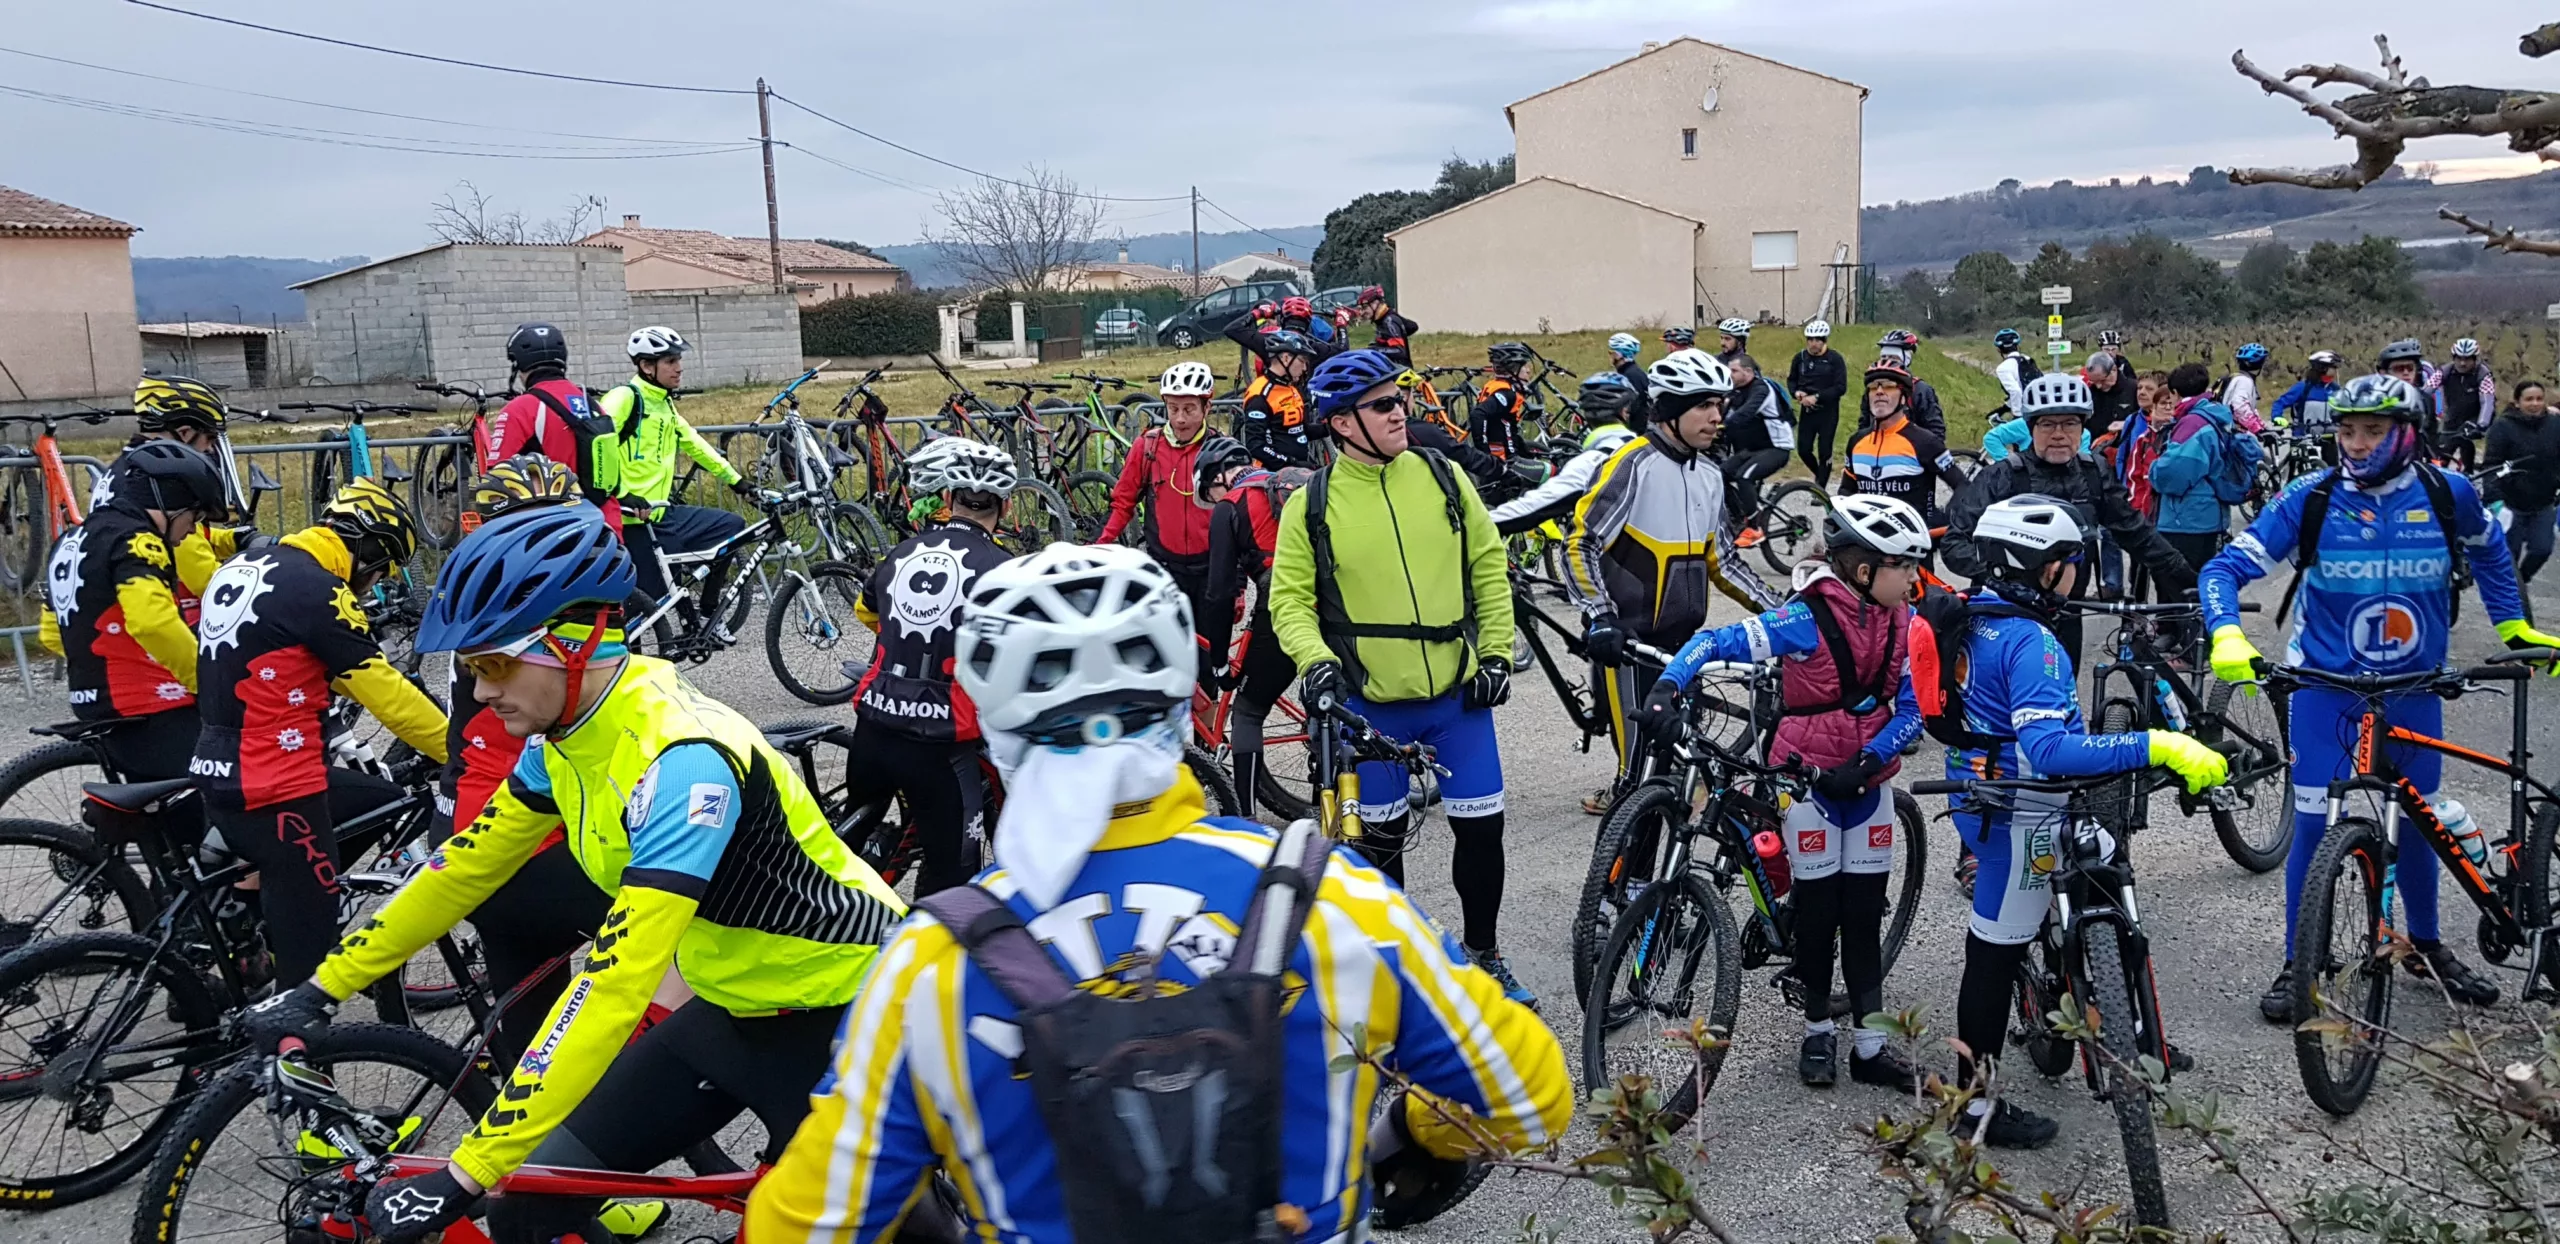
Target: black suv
1207,319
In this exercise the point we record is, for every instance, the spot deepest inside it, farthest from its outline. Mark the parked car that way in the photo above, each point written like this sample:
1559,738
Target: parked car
1121,325
1206,319
1338,296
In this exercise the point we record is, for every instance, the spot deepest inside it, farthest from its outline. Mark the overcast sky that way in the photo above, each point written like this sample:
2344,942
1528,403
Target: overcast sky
1278,113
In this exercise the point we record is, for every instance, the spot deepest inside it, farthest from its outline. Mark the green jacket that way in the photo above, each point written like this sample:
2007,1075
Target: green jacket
649,451
1396,563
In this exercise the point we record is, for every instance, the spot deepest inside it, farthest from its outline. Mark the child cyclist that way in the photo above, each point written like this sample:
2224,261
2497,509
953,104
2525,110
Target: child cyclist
1849,710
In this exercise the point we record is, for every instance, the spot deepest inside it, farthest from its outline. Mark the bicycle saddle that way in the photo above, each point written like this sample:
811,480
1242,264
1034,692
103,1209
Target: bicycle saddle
84,731
139,798
798,734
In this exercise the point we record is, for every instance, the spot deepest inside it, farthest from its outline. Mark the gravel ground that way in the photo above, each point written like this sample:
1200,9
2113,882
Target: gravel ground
1783,1161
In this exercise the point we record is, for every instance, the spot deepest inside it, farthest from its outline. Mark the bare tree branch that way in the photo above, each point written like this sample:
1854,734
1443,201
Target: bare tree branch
2542,41
466,214
2395,109
2499,239
1018,235
2375,153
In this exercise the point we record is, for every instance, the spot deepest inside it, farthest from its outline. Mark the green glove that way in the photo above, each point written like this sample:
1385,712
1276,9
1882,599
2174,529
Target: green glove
2200,765
2520,634
2235,659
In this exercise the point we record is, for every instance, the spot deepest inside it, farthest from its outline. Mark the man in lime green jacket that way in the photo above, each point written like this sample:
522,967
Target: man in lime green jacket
1390,589
643,410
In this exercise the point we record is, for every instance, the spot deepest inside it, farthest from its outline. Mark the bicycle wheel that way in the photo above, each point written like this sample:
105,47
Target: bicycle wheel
102,1043
325,465
1283,786
2113,804
57,879
1035,517
2038,996
2118,1013
2339,959
811,633
1216,786
229,1169
435,492
26,529
1089,502
2258,832
2538,879
866,543
1909,877
1791,525
1649,980
1627,856
43,783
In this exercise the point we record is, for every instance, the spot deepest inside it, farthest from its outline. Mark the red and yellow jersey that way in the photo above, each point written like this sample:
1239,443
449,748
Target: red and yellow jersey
113,591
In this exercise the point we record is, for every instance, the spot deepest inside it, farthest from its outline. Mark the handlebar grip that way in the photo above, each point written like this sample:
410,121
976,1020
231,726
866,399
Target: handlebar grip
1940,788
2251,606
2500,673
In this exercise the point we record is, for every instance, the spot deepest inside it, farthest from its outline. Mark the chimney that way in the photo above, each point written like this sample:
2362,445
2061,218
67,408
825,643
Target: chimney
1282,252
1124,254
1650,45
630,220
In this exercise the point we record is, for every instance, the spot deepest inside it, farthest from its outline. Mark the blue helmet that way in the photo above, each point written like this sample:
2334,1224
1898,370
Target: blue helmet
1606,392
2251,355
1339,381
1288,341
2006,339
1624,345
513,576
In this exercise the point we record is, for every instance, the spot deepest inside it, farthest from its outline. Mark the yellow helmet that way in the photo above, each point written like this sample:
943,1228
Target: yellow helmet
374,522
521,481
164,400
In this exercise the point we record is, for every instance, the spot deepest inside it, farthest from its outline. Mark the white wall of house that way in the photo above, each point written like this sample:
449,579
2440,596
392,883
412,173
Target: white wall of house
66,318
1544,256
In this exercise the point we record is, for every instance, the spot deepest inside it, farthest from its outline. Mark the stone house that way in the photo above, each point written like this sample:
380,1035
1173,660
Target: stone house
66,302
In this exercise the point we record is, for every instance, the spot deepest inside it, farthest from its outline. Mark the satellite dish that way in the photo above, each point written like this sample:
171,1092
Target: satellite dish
1709,103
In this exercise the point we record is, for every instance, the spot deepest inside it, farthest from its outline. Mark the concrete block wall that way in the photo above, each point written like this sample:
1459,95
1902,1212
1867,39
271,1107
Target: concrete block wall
476,295
742,335
368,325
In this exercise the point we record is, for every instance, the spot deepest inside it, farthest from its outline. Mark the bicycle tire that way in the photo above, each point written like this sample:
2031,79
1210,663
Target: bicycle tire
2112,803
1216,787
1711,936
1035,517
2127,1094
90,964
1911,877
2352,842
866,541
1089,503
435,493
818,608
43,782
325,466
190,1149
1789,530
26,530
1630,841
2259,837
2038,996
2541,891
64,875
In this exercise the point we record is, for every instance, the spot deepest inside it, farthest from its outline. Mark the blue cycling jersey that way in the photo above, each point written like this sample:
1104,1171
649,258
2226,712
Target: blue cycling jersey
2019,686
2380,599
1786,631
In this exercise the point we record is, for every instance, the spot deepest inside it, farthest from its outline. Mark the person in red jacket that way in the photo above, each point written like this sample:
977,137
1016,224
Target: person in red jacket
1158,473
553,418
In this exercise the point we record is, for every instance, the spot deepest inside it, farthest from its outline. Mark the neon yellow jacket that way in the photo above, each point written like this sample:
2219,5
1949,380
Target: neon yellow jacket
649,451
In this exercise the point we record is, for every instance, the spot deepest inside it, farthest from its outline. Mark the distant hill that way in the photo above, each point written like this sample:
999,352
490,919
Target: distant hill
243,288
2205,211
1172,250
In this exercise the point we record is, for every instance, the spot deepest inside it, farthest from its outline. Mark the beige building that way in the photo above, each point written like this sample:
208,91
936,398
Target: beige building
1113,276
664,259
1240,269
66,302
1759,161
230,356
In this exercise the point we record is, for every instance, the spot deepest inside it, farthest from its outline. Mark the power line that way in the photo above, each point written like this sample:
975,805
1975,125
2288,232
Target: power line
315,103
441,60
887,142
885,179
346,138
1212,205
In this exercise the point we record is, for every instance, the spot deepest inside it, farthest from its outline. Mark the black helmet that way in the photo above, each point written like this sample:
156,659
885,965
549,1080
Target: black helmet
1218,455
1605,395
1507,354
2405,350
537,345
167,476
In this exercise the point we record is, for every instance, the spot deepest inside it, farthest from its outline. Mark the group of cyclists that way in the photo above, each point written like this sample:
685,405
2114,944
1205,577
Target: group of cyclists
1103,1009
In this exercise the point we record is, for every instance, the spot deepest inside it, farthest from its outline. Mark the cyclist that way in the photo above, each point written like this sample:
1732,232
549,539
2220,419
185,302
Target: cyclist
1651,537
2377,599
2010,435
1159,471
189,412
1245,501
915,734
1733,336
2239,390
2015,370
1398,605
1679,337
2193,516
2407,360
1849,710
1611,414
2020,700
553,417
2114,395
1275,425
1896,457
940,1068
1819,378
2111,344
718,859
114,619
1759,437
1493,421
644,415
1293,314
1902,346
1391,333
2304,409
283,634
2526,442
1623,348
2464,393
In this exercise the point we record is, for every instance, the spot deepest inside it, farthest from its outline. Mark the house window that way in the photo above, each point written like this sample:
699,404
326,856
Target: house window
1689,144
1773,250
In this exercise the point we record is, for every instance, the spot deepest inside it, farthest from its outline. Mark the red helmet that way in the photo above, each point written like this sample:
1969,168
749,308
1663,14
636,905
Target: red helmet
1294,305
1890,369
1372,293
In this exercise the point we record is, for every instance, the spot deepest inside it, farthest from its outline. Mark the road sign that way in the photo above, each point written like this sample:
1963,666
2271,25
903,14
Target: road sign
2053,331
2551,312
2054,320
2057,295
2058,348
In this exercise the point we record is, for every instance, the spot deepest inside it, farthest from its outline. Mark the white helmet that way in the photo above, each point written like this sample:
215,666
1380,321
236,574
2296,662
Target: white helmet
2466,348
1817,328
657,342
2024,534
1885,525
1071,624
1690,373
1188,378
958,464
1735,327
2057,393
1624,345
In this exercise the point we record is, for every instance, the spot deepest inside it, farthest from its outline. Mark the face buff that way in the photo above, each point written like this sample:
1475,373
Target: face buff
1043,842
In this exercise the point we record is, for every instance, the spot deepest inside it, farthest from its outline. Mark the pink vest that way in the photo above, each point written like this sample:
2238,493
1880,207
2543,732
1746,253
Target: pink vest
1816,726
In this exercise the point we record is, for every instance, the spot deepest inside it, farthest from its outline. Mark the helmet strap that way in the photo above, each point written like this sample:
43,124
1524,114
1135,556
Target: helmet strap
575,664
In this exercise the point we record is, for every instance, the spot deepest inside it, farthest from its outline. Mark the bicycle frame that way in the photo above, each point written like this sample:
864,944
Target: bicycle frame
1588,713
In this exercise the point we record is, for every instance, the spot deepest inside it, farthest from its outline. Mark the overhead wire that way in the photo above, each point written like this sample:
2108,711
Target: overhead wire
1206,202
980,173
894,183
348,138
444,60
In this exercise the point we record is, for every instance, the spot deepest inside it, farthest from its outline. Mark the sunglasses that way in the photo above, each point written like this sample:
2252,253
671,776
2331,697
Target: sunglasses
1381,405
501,663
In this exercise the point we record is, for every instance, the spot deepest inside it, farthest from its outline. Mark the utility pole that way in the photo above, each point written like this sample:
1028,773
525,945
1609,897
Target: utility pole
772,213
1195,241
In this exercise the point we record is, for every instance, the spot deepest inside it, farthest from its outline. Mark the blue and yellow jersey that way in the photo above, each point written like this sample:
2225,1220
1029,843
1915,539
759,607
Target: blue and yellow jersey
927,1076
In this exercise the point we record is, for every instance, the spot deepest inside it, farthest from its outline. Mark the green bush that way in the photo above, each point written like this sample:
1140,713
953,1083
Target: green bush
995,316
862,325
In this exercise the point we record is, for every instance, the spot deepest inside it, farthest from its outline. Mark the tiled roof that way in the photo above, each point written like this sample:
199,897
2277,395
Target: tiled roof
21,213
1155,274
746,259
205,328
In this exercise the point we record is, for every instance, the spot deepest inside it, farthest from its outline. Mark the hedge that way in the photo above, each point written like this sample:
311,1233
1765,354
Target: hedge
864,325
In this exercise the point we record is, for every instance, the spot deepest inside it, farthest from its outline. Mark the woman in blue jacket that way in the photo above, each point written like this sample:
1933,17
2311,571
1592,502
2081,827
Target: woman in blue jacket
2192,516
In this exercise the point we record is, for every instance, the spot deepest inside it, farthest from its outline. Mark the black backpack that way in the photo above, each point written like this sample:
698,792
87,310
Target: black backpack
1164,1108
1332,621
1941,628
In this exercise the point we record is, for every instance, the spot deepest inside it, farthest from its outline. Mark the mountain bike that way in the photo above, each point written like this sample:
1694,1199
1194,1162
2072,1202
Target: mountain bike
2139,689
1584,705
799,460
1283,730
1040,457
2344,926
334,467
1787,525
445,471
2092,950
37,504
1338,742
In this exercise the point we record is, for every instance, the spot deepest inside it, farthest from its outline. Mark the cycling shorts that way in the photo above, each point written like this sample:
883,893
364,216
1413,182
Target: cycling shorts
1464,739
1824,838
2016,847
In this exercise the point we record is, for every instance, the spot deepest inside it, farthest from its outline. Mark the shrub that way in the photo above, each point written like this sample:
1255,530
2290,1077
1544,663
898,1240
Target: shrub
863,325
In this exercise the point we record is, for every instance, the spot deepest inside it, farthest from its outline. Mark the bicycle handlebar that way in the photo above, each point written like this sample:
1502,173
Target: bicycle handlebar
1097,380
361,407
2133,609
1369,743
1029,386
93,416
2504,667
472,391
